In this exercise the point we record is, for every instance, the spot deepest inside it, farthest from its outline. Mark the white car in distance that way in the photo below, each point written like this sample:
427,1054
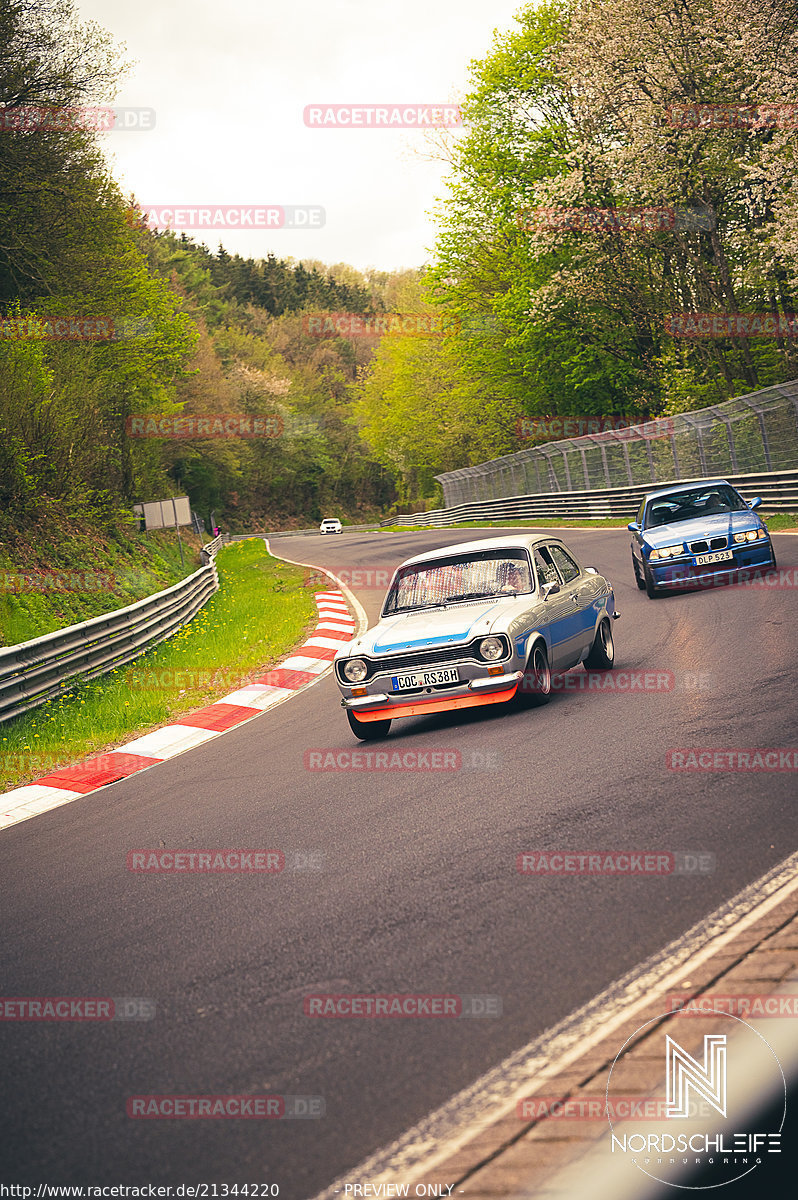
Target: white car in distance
331,525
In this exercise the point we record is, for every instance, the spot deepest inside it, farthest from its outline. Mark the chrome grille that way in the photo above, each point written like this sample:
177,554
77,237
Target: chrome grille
420,658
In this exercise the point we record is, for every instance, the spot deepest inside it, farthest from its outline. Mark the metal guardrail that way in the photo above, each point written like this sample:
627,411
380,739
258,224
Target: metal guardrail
36,671
778,489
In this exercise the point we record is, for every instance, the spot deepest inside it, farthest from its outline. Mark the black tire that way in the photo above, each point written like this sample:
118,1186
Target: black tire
652,591
367,731
601,655
641,583
535,687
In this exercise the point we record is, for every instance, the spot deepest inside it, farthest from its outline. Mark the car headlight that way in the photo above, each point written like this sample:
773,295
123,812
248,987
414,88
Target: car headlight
667,552
491,648
355,670
750,535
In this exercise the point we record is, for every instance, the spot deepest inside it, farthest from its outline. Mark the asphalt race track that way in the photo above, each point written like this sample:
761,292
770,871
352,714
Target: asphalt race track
418,890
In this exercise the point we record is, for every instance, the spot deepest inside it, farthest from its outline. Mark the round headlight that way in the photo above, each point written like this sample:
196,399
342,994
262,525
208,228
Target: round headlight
491,648
355,670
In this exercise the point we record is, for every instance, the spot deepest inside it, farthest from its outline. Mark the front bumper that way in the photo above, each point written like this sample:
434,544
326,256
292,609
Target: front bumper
683,572
382,706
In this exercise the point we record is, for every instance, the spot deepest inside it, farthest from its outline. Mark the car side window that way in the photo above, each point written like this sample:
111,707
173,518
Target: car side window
568,568
544,567
640,512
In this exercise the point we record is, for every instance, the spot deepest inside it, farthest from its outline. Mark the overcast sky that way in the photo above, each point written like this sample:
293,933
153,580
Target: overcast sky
229,82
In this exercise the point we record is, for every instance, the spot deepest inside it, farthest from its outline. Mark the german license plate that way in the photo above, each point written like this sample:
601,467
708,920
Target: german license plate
403,683
718,556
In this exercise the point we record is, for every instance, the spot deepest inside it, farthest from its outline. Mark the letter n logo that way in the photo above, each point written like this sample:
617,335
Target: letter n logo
707,1080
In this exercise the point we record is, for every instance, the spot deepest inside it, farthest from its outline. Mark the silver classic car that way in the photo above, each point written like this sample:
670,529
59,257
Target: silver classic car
472,624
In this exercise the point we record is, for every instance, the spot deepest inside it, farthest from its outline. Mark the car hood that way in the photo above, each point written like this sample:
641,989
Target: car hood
700,527
436,627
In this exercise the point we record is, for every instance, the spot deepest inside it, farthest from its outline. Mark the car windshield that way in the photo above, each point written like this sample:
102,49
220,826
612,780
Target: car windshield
433,584
688,506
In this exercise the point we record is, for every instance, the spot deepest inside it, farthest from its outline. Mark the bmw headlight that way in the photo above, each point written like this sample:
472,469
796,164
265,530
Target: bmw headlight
667,552
491,648
355,670
750,535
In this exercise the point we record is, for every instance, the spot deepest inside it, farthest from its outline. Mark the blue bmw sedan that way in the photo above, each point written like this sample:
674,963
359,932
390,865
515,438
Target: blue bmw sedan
697,533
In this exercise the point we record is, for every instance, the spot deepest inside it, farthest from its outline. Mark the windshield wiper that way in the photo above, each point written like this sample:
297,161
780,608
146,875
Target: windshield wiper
416,607
471,596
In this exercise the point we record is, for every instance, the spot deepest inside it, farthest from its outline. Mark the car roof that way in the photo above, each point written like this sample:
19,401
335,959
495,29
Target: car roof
686,487
510,542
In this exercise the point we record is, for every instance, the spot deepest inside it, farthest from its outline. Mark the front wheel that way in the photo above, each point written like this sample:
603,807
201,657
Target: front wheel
641,583
602,653
367,731
535,687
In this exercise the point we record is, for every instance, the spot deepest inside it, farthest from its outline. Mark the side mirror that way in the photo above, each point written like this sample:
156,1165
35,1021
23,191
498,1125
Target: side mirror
591,571
755,503
549,589
633,527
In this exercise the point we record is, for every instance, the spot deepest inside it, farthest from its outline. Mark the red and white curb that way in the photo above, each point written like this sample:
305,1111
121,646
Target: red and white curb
305,666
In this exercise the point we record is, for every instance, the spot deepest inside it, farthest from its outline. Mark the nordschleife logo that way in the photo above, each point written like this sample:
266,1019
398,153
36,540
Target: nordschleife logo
719,1101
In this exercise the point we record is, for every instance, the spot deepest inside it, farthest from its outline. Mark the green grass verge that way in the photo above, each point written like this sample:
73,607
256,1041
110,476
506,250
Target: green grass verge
261,611
777,521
